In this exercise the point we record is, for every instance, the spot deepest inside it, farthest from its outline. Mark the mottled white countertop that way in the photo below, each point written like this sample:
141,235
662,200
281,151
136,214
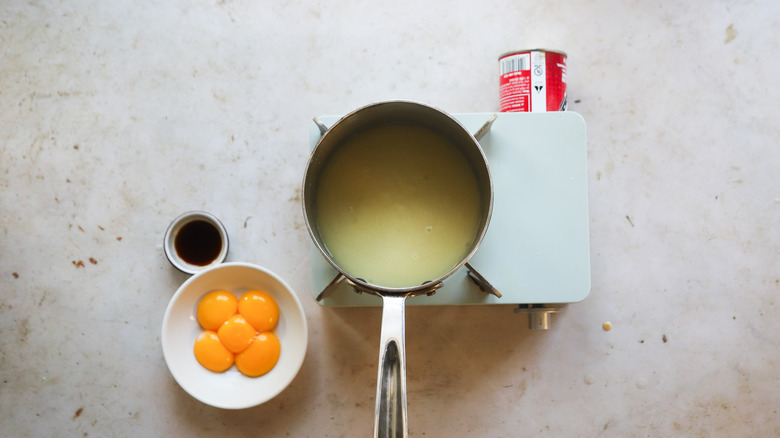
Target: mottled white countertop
117,116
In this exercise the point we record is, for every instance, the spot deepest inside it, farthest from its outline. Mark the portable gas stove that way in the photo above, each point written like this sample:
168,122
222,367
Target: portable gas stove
536,252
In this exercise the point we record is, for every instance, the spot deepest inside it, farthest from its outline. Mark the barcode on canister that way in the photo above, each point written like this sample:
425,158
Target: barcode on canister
515,63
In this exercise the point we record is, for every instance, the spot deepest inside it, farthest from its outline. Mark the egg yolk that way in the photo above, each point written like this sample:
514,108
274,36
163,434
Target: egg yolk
211,354
236,333
259,309
261,355
215,308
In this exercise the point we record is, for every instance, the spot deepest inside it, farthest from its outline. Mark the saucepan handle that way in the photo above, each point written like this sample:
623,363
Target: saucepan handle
390,420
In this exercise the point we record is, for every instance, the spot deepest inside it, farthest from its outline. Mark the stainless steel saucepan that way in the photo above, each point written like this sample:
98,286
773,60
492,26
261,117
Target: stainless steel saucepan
391,412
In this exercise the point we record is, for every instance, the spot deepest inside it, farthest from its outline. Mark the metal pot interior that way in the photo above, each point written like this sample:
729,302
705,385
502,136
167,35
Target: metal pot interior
395,112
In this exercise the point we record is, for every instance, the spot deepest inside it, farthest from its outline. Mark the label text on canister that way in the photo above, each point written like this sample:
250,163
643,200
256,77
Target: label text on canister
532,81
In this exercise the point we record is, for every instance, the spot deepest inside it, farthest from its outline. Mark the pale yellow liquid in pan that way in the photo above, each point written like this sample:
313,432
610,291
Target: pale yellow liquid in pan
398,205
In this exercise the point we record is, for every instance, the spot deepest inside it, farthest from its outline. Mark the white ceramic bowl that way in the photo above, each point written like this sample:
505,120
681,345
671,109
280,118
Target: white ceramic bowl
231,389
169,242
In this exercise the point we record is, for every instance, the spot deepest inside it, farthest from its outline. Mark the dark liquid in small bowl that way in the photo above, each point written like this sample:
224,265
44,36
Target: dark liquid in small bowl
198,243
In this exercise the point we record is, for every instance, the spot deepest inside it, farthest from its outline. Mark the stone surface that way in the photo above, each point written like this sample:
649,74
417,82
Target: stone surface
115,117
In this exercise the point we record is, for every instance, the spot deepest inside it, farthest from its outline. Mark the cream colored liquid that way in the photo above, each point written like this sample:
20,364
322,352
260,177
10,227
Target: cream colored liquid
397,206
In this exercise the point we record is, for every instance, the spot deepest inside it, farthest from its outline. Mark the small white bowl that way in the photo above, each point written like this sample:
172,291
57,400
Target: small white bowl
169,242
231,389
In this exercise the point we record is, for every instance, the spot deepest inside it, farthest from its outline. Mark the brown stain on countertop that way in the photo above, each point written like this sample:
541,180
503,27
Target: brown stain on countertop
731,33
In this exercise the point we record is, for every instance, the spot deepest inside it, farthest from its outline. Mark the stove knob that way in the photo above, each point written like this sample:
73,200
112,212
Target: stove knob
538,315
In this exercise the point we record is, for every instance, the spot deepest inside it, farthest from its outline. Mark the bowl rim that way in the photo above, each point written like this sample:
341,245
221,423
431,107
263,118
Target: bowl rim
210,270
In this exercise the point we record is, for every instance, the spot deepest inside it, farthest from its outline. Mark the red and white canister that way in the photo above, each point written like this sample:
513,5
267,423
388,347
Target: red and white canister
532,81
